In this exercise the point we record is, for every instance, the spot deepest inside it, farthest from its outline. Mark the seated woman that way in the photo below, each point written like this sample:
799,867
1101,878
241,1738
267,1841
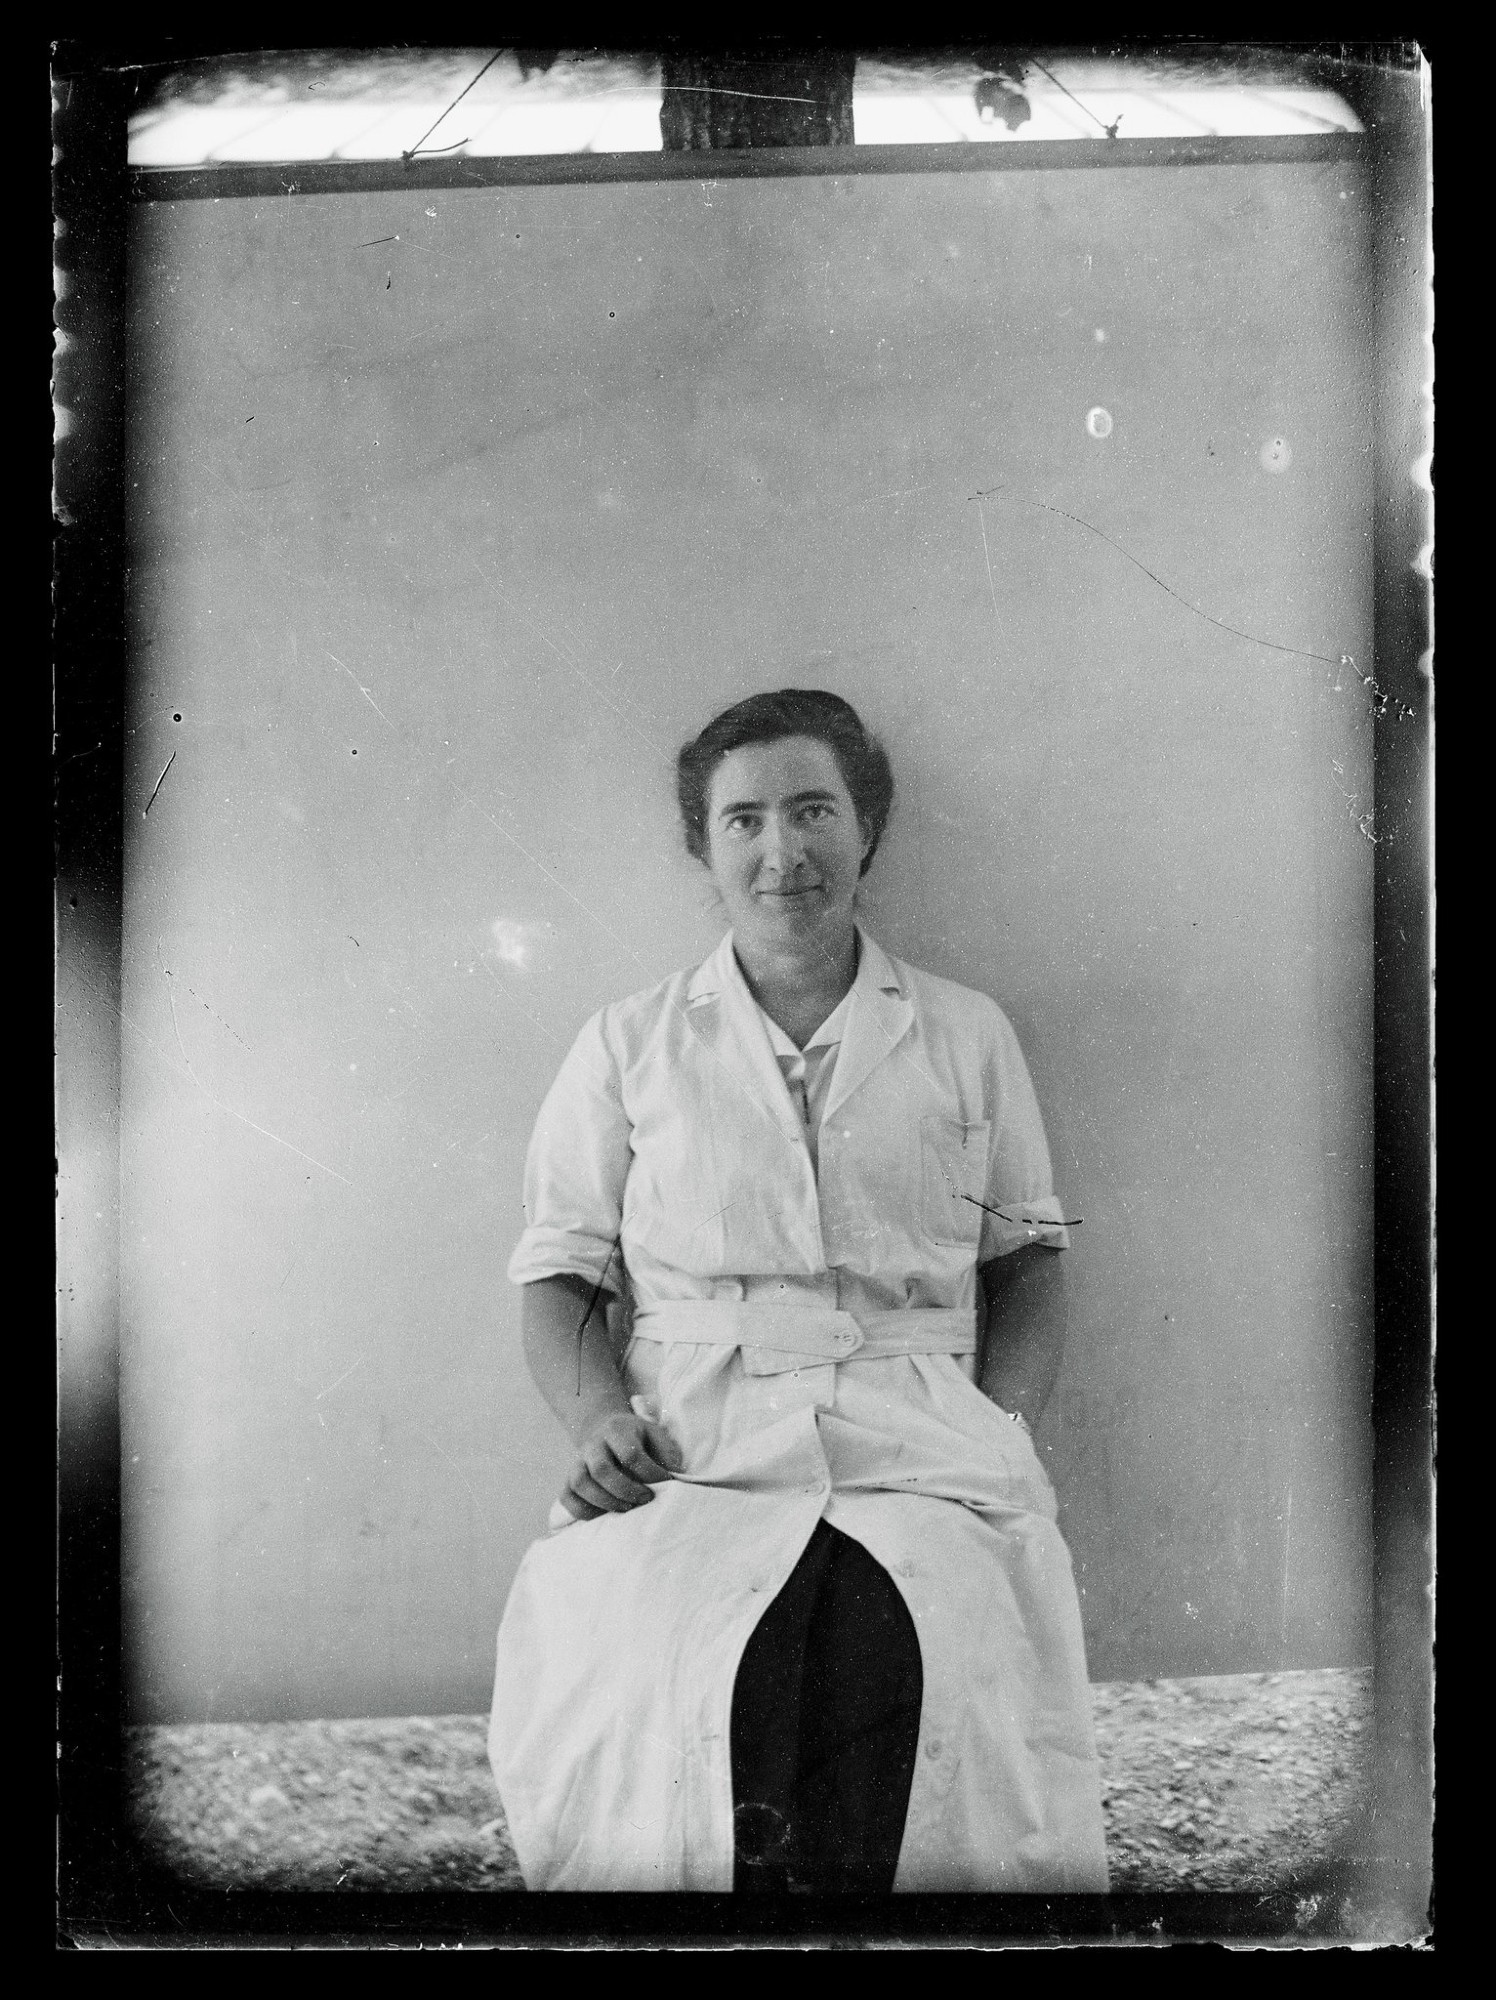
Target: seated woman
804,1620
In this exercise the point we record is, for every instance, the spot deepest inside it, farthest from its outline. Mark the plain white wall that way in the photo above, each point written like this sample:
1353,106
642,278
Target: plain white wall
442,545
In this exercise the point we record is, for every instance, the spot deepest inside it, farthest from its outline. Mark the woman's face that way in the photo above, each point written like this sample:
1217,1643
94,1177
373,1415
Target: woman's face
783,844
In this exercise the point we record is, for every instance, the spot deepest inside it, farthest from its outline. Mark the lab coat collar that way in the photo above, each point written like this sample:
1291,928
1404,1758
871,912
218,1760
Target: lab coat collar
880,1016
722,1014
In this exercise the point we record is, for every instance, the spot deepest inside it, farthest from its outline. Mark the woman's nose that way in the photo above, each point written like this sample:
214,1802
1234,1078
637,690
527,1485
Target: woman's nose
783,846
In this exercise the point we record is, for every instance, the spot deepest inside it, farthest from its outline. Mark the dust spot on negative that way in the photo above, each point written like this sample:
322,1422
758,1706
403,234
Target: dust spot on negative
515,943
1099,422
1275,455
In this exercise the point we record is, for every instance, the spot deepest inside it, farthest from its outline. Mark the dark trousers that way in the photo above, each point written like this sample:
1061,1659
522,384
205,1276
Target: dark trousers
825,1726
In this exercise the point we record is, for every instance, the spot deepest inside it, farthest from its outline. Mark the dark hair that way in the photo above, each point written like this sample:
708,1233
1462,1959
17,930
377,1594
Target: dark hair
765,718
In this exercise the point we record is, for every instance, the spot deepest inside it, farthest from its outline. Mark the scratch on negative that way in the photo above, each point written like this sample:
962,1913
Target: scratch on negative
1028,1221
713,1216
535,862
477,1509
362,689
715,90
1253,638
565,656
597,1292
219,1104
674,1748
159,783
218,1018
340,1381
982,518
135,1028
899,493
549,1033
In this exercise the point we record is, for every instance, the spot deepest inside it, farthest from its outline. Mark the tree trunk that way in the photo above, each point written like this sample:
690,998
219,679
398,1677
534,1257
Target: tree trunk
792,98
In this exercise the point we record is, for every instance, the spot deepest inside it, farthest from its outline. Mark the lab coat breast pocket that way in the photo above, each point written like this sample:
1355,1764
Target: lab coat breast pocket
953,1165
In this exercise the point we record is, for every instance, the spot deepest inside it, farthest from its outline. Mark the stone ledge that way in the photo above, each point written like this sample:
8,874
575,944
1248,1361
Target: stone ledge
1243,1782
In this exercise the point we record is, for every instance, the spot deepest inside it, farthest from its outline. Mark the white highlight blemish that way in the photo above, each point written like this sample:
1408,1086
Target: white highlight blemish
1099,334
1275,455
1099,422
514,942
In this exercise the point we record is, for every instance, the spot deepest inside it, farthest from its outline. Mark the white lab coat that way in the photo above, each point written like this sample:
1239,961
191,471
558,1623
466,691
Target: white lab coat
669,1144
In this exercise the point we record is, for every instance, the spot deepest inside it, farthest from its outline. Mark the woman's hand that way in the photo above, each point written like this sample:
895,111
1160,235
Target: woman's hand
618,1463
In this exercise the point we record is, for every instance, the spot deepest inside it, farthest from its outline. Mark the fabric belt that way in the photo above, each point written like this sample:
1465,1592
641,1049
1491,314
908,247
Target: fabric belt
780,1337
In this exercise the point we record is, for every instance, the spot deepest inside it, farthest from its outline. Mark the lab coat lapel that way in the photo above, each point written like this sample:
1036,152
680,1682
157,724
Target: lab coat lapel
721,1014
881,1015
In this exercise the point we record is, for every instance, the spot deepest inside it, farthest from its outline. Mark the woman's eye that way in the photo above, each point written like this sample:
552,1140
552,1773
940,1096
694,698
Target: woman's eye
822,809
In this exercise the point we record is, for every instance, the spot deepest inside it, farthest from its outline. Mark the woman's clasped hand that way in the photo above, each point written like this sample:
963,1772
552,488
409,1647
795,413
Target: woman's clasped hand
619,1460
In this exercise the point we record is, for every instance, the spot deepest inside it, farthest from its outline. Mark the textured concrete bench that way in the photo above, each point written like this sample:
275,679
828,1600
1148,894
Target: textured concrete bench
1239,1782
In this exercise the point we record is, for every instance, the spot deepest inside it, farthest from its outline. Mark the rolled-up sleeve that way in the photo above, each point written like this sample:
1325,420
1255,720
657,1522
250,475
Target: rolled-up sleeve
575,1171
1020,1180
